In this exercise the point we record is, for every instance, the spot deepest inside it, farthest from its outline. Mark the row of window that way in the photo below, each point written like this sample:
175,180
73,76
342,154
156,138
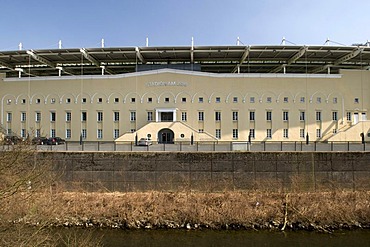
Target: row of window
68,133
68,116
184,100
235,116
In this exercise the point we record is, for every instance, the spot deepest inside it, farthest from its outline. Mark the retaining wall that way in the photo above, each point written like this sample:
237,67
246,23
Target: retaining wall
210,171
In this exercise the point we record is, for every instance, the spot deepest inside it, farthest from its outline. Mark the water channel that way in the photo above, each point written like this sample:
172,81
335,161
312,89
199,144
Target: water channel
203,238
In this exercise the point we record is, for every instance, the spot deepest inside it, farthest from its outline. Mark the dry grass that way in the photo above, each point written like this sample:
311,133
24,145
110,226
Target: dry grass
155,209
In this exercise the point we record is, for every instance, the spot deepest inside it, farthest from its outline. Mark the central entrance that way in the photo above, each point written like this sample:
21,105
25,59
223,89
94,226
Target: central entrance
166,117
165,114
165,136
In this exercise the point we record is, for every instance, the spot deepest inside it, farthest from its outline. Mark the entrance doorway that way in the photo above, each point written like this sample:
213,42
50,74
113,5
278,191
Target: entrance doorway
165,136
166,117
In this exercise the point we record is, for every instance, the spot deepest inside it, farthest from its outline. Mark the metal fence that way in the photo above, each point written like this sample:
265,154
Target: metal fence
208,146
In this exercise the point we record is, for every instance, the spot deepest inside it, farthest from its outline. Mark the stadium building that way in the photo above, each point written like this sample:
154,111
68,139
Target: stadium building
194,93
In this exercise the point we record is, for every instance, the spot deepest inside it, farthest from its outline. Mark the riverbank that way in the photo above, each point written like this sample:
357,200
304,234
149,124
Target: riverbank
321,211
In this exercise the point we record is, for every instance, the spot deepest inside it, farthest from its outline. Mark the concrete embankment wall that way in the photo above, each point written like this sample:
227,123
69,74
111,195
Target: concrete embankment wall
137,171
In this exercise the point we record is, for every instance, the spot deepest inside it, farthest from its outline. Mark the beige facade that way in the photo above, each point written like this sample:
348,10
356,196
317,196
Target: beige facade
174,105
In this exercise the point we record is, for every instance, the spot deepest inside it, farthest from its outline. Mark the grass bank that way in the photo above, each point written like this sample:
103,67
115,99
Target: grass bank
324,211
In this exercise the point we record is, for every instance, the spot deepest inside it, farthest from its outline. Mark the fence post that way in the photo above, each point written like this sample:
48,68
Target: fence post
281,146
348,146
331,146
98,146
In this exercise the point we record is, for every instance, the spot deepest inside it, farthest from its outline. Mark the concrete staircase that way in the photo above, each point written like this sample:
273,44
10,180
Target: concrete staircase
179,128
352,133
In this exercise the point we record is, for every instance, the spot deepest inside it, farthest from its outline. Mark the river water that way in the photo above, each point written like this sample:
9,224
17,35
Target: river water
203,238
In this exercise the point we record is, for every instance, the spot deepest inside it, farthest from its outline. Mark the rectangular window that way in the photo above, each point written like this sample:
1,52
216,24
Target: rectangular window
23,117
357,100
166,100
150,116
133,100
286,99
318,133
201,116
183,100
285,116
38,117
116,116
302,116
252,133
218,99
84,133
200,99
318,99
235,133
268,133
23,133
218,116
269,100
100,100
184,116
68,100
235,100
53,117
318,116
235,116
301,133
52,133
150,100
252,116
218,133
9,117
349,116
133,116
68,133
335,115
116,100
251,100
100,134
285,133
23,101
83,116
68,116
38,133
302,100
84,100
100,116
268,115
335,100
38,101
116,133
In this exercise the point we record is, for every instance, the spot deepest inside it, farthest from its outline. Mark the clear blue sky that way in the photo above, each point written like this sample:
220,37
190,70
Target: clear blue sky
40,24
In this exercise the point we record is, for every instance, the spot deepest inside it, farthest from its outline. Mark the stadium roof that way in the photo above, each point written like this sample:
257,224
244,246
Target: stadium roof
213,59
